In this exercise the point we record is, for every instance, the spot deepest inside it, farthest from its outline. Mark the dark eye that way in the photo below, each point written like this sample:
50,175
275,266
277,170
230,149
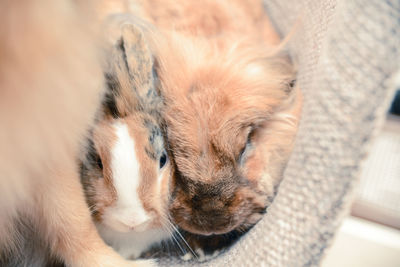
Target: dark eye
93,156
163,159
99,163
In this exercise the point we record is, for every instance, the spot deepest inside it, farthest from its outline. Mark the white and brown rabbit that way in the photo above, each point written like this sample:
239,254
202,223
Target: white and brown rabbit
50,88
231,111
126,173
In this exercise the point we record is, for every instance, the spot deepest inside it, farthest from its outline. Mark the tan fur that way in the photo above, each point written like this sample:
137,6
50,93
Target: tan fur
223,83
50,86
274,144
136,105
104,139
153,199
211,18
101,185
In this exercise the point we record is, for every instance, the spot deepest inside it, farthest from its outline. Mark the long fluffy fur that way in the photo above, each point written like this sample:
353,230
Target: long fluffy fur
231,110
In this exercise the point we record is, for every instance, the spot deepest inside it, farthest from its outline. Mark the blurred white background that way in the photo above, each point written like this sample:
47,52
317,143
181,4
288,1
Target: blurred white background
370,237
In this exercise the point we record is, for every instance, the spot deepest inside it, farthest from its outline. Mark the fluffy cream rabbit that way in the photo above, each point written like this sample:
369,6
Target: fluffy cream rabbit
231,110
126,173
50,88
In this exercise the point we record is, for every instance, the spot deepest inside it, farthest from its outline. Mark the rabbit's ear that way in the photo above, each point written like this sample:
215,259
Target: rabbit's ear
140,64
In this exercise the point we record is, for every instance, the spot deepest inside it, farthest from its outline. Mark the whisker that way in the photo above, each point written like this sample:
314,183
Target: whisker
172,232
179,236
184,240
177,242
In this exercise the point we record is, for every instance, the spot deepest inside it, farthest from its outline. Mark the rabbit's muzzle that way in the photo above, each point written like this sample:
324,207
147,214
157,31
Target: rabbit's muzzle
215,209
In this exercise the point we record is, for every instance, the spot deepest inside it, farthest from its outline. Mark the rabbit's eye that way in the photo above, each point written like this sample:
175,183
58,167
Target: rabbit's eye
94,157
163,159
99,163
245,148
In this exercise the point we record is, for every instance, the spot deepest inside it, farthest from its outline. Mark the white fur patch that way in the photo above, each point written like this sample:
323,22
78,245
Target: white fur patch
130,245
187,257
128,212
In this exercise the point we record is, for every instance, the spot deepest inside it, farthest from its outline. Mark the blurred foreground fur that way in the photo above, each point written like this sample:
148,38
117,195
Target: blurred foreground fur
50,87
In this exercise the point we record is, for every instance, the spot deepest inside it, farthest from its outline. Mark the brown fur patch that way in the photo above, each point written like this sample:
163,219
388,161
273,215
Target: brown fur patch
98,184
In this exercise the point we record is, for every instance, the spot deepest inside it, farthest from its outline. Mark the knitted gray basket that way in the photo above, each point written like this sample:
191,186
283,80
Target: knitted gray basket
348,52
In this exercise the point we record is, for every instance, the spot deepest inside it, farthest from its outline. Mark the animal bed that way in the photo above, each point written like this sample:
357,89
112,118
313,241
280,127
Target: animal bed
347,53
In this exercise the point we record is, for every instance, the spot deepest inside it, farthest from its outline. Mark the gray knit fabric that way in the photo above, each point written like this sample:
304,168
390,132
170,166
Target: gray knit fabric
348,52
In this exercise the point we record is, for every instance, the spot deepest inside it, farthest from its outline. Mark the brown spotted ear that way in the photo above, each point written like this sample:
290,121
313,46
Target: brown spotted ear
140,64
131,80
120,98
138,55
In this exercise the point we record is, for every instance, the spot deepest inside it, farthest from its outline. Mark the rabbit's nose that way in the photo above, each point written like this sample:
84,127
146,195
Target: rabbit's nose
138,222
132,225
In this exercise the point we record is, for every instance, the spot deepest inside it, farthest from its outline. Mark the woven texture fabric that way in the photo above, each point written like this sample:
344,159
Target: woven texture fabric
347,53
